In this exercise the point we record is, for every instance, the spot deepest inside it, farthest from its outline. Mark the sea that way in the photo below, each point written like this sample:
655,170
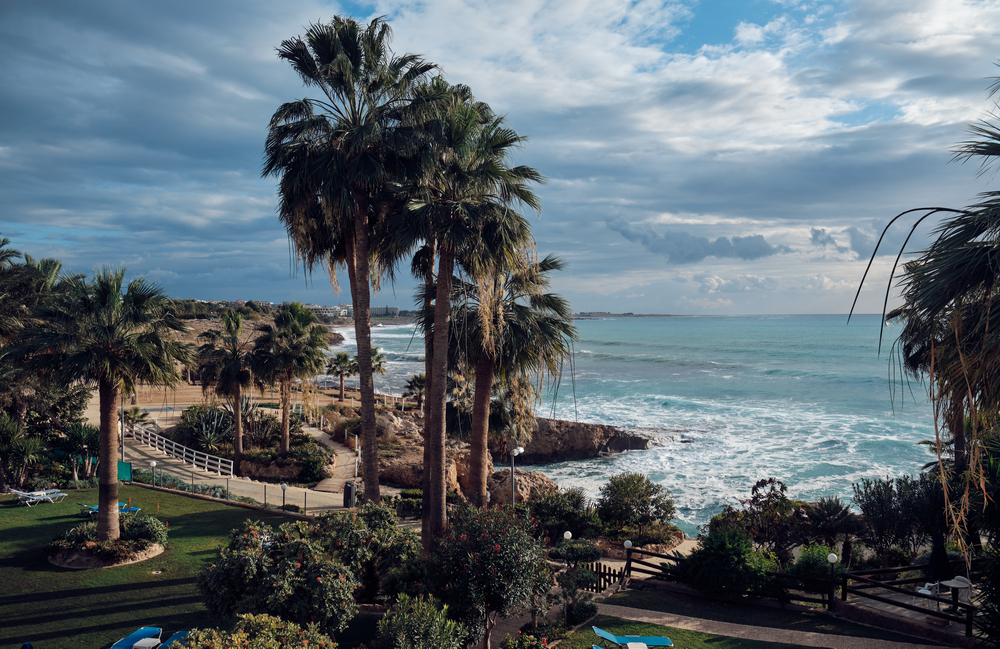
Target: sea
729,400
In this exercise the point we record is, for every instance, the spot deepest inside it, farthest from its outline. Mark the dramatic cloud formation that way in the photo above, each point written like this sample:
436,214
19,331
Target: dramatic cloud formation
690,152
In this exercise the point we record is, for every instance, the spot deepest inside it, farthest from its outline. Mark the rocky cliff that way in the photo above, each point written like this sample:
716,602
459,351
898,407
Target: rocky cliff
557,440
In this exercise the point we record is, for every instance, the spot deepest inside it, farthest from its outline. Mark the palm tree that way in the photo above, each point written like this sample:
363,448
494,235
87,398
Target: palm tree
227,364
104,332
80,441
18,451
343,366
415,388
136,417
293,347
335,157
514,328
464,200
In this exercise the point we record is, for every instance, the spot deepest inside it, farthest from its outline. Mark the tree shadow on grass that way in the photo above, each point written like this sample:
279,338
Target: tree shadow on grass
48,597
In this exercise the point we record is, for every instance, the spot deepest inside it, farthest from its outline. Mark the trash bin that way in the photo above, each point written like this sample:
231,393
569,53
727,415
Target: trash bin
350,495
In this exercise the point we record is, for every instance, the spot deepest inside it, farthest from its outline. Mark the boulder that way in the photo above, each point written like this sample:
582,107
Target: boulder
556,440
528,484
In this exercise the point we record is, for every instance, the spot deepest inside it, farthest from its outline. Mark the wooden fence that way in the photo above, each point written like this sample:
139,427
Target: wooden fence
606,576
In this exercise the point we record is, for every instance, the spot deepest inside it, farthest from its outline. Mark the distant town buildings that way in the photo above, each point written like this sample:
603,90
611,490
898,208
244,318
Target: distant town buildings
339,311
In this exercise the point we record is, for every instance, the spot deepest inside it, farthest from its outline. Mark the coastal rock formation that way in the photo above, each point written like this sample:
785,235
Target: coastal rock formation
527,485
406,468
556,440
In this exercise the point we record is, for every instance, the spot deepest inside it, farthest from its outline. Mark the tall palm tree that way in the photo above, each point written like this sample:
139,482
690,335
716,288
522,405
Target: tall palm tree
335,157
105,332
293,347
227,365
465,199
343,366
514,327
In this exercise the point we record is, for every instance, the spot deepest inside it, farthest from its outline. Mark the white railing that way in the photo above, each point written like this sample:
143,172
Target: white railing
210,463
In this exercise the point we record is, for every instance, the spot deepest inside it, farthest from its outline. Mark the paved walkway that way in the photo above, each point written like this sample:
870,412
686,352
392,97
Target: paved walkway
312,501
767,634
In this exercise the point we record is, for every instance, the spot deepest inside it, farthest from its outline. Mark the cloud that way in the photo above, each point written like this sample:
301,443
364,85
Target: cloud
738,284
679,247
821,239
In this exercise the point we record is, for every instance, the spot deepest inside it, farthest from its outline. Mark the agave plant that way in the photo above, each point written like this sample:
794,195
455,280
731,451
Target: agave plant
213,429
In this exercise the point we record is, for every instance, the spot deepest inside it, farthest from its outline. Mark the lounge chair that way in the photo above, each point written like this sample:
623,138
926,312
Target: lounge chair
32,498
91,510
177,637
622,640
141,639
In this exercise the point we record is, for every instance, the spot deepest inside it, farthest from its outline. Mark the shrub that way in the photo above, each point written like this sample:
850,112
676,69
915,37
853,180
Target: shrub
141,526
575,551
774,523
524,641
260,632
419,623
88,483
633,499
484,565
812,563
137,533
562,511
725,563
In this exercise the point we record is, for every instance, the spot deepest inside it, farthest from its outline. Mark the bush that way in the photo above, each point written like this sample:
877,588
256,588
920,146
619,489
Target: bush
725,564
260,632
89,483
142,527
137,534
812,563
633,499
562,511
575,551
581,613
524,641
484,565
419,623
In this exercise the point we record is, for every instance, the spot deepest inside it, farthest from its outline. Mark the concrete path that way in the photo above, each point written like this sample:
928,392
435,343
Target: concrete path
767,634
312,501
344,464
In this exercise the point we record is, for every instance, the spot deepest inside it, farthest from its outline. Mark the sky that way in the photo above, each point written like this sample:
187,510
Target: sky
701,156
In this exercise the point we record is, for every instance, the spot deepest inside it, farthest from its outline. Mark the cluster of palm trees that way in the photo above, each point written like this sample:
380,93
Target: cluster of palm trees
392,162
293,347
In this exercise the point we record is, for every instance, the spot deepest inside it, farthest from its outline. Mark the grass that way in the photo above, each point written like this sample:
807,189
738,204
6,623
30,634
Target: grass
59,608
666,601
585,639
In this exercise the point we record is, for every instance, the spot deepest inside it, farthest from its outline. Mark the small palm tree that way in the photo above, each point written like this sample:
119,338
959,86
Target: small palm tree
343,366
227,364
136,417
18,451
293,347
81,441
105,332
415,388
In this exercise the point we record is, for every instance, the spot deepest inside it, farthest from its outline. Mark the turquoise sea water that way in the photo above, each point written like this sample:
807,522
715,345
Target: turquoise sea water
805,399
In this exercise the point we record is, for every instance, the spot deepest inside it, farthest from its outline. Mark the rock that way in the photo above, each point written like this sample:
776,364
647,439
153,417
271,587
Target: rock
556,440
528,485
406,469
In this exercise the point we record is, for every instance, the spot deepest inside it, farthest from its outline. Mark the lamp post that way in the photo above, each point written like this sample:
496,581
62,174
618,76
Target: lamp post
832,558
153,467
567,535
513,453
283,487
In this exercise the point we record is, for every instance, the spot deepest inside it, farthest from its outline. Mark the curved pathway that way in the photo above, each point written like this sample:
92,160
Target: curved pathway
767,634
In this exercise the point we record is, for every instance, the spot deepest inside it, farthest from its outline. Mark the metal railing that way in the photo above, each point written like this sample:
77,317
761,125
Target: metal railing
210,463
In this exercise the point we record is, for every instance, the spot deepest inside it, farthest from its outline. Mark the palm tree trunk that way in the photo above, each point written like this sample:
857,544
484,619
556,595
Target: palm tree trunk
341,386
479,442
436,398
286,410
237,428
107,500
361,295
425,519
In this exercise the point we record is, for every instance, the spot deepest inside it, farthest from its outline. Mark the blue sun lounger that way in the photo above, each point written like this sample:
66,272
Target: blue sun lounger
91,510
147,636
622,640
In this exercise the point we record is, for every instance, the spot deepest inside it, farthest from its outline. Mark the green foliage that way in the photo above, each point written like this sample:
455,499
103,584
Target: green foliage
812,562
484,565
261,571
725,563
830,519
575,551
573,581
774,523
633,499
562,511
885,523
136,533
418,623
524,641
141,526
260,632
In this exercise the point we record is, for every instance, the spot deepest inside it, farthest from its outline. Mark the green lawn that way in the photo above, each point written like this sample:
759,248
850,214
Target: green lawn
55,607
